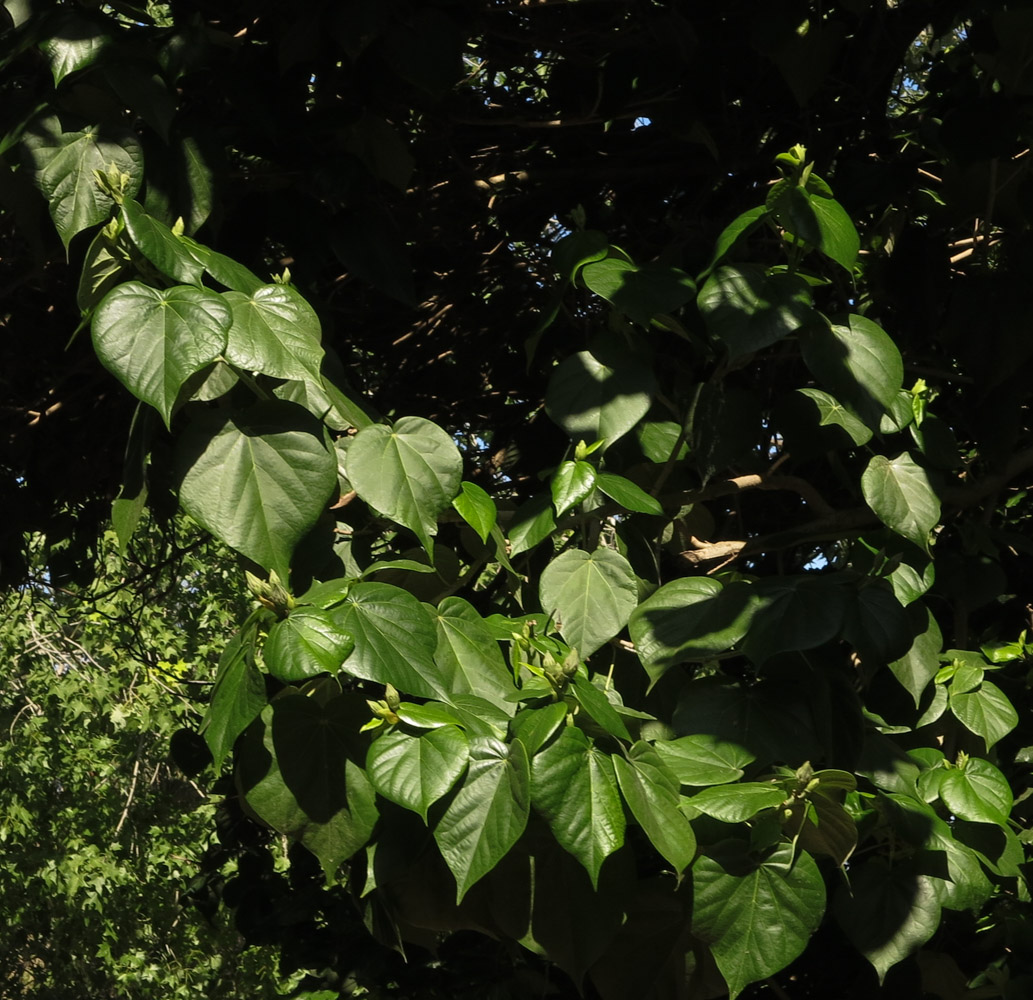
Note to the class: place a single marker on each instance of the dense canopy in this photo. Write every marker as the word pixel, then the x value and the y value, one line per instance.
pixel 624 401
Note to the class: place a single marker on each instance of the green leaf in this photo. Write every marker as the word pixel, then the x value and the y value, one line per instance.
pixel 488 814
pixel 276 332
pixel 659 438
pixel 161 246
pixel 627 494
pixel 748 310
pixel 258 479
pixel 476 508
pixel 237 699
pixel 690 619
pixel 900 494
pixel 417 770
pixel 639 292
pixel 306 643
pixel 104 266
pixel 594 701
pixel 532 523
pixel 888 913
pixel 594 401
pixel 756 917
pixel 223 269
pixel 858 362
pixel 591 593
pixel 467 654
pixel 827 828
pixel 574 788
pixel 738 802
pixel 571 484
pixel 572 252
pixel 877 625
pixel 77 43
pixel 977 792
pixel 409 472
pixel 987 712
pixel 703 759
pixel 395 639
pixel 654 804
pixel 153 340
pixel 839 239
pixel 534 726
pixel 64 163
pixel 736 230
pixel 833 412
pixel 918 666
pixel 296 774
pixel 908 584
pixel 796 613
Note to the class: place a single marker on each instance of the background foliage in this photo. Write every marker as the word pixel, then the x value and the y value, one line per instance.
pixel 621 410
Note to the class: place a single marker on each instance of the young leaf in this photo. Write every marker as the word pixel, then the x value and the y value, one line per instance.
pixel 488 814
pixel 571 484
pixel 599 707
pixel 900 494
pixel 153 340
pixel 409 472
pixel 591 593
pixel 476 508
pixel 627 494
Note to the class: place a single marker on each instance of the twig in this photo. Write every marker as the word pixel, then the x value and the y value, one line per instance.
pixel 132 788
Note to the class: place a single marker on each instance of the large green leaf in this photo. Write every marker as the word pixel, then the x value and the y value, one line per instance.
pixel 258 479
pixel 532 523
pixel 468 656
pixel 627 494
pixel 395 639
pixel 76 42
pixel 591 400
pixel 737 802
pixel 153 340
pixel 488 813
pixel 902 497
pixel 986 711
pixel 64 163
pixel 409 472
pixel 276 332
pixel 652 797
pixel 592 594
pixel 703 759
pixel 977 792
pixel 306 643
pixel 877 625
pixel 690 619
pixel 756 917
pixel 161 246
pixel 640 292
pixel 574 788
pixel 748 310
pixel 888 913
pixel 797 613
pixel 296 773
pixel 858 362
pixel 237 699
pixel 416 769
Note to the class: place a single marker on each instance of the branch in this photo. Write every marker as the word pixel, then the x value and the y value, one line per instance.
pixel 973 493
